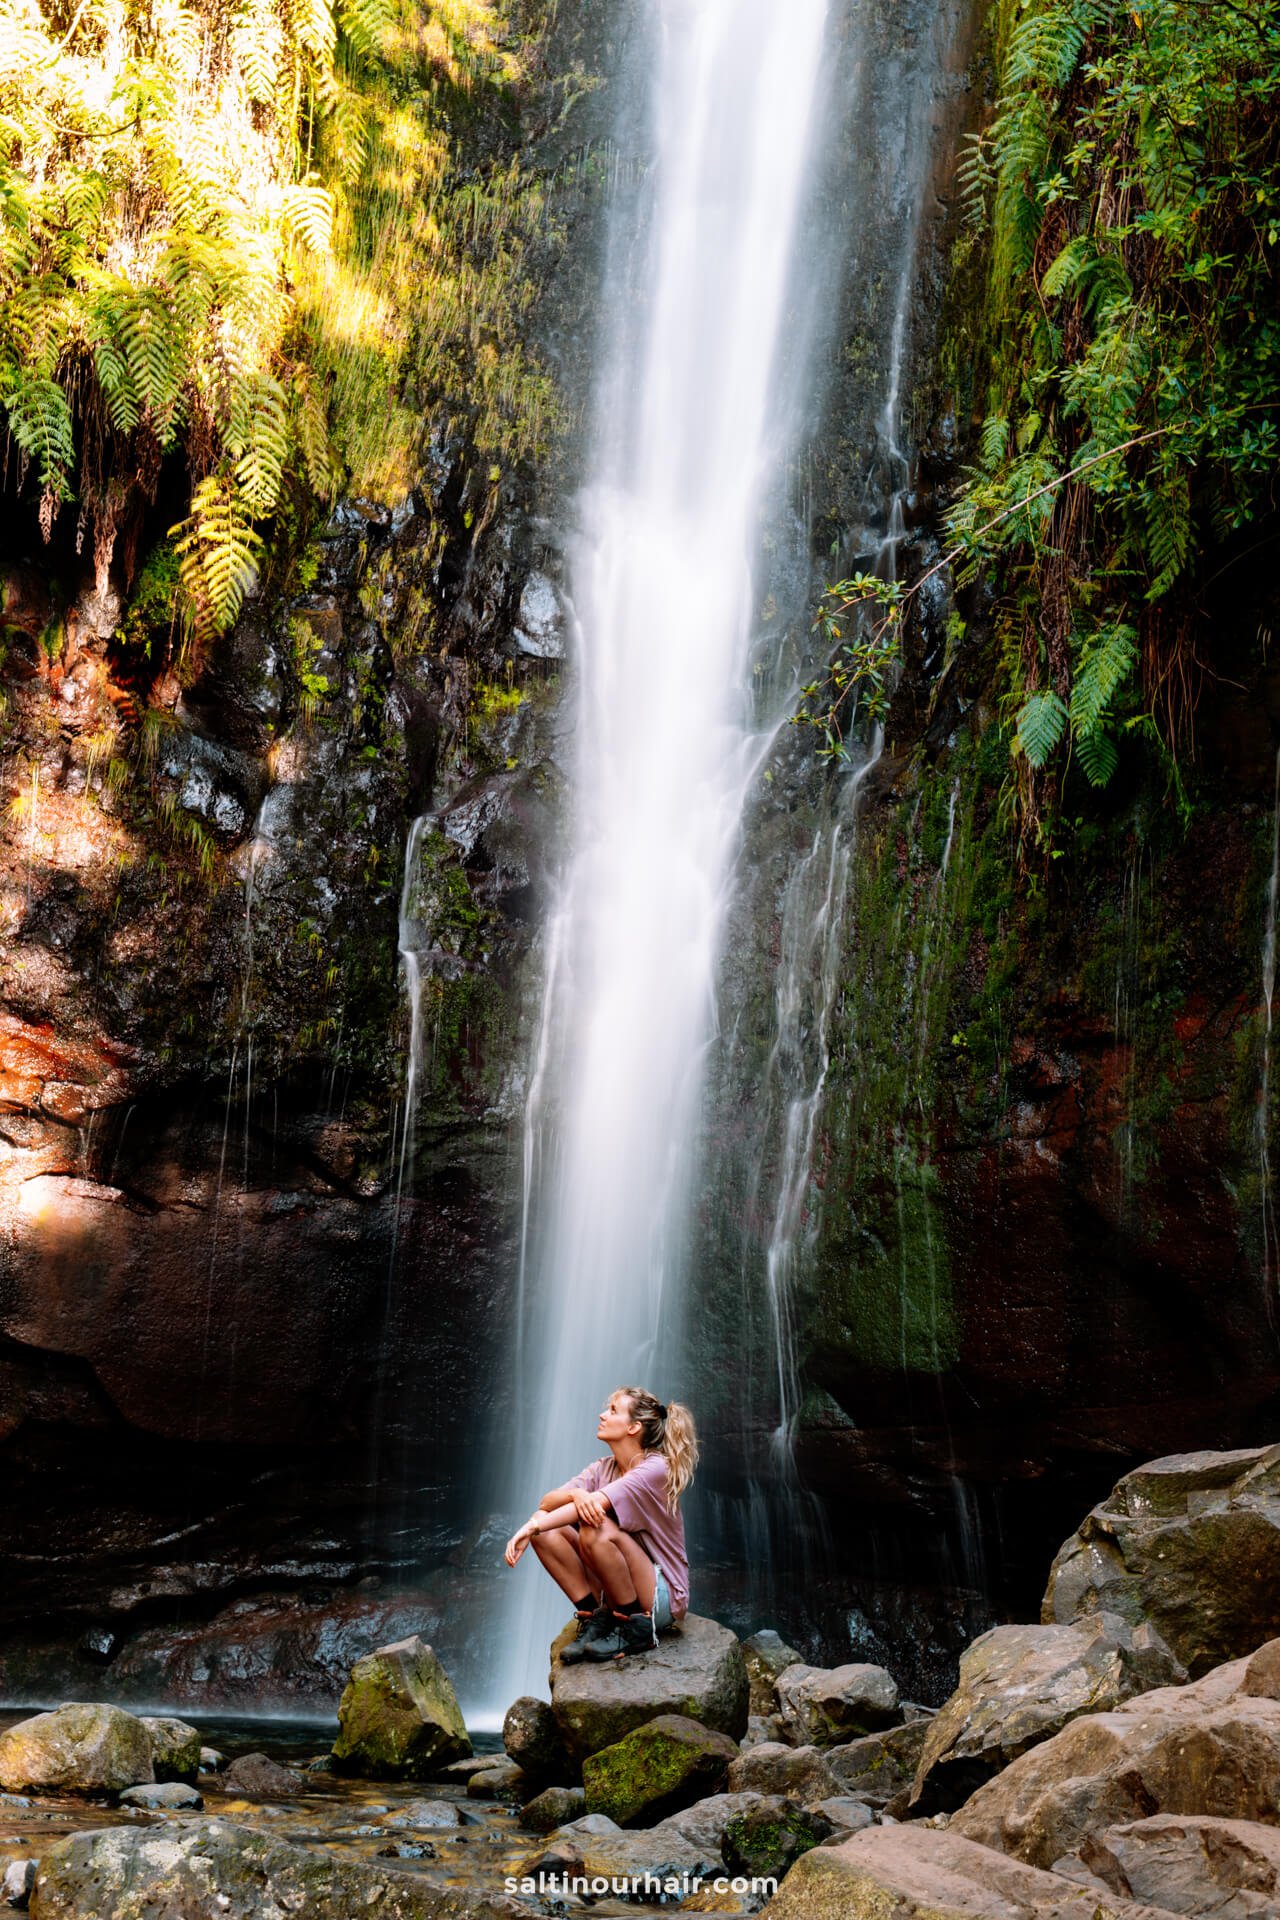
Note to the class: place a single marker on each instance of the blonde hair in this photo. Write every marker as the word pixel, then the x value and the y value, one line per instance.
pixel 667 1430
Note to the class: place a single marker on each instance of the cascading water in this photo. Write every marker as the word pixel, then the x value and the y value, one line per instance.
pixel 1270 1235
pixel 692 430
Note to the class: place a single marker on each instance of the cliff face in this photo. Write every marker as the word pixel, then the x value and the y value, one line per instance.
pixel 249 1331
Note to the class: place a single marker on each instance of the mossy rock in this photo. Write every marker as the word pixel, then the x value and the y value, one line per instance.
pixel 399 1718
pixel 766 1838
pixel 175 1748
pixel 697 1671
pixel 76 1749
pixel 663 1766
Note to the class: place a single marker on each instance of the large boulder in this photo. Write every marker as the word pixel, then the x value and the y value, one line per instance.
pixel 175 1748
pixel 665 1764
pixel 823 1706
pixel 1021 1685
pixel 1209 1748
pixel 1192 1864
pixel 697 1670
pixel 209 1867
pixel 918 1873
pixel 76 1749
pixel 800 1773
pixel 767 1656
pixel 1190 1543
pixel 881 1765
pixel 399 1717
pixel 703 1824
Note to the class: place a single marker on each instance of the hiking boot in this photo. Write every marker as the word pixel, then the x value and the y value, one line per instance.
pixel 592 1629
pixel 637 1633
pixel 633 1633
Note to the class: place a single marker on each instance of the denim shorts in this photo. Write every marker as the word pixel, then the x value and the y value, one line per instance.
pixel 661 1600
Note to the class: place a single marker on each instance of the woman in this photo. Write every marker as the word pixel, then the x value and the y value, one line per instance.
pixel 612 1537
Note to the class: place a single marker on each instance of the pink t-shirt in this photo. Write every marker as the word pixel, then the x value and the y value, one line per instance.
pixel 639 1498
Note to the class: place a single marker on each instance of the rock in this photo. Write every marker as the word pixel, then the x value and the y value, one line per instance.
pixel 697 1670
pixel 173 1795
pixel 175 1748
pixel 763 1726
pixel 76 1749
pixel 1189 1543
pixel 1209 1748
pixel 880 1765
pixel 799 1773
pixel 504 1780
pixel 703 1824
pixel 15 1888
pixel 920 1873
pixel 598 1847
pixel 822 1706
pixel 540 629
pixel 1020 1685
pixel 764 1839
pixel 532 1738
pixel 256 1777
pixel 462 1770
pixel 422 1816
pixel 767 1655
pixel 665 1764
pixel 1192 1864
pixel 844 1814
pixel 211 1761
pixel 212 1867
pixel 552 1808
pixel 399 1716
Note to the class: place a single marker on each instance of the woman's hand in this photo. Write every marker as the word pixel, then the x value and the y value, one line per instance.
pixel 517 1544
pixel 592 1508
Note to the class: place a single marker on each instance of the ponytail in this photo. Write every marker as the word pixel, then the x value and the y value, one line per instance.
pixel 667 1430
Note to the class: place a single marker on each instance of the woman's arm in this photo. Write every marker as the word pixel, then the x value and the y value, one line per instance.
pixel 540 1521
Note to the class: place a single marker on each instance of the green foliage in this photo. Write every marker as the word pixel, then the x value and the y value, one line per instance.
pixel 239 234
pixel 858 680
pixel 1130 180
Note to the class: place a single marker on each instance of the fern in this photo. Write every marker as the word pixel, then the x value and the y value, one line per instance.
pixel 1108 658
pixel 217 549
pixel 40 421
pixel 1041 723
pixel 1168 521
pixel 1096 751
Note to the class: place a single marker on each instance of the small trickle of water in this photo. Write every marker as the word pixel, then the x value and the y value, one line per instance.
pixel 1262 1125
pixel 407 936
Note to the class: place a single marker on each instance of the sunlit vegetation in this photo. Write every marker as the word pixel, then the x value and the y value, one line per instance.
pixel 237 235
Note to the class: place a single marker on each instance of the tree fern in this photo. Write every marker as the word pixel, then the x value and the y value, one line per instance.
pixel 1108 657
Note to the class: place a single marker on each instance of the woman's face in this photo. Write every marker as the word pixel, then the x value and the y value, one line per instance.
pixel 616 1419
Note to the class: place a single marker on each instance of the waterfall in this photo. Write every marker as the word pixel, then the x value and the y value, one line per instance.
pixel 693 429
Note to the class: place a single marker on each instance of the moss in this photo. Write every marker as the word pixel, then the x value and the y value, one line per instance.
pixel 669 1762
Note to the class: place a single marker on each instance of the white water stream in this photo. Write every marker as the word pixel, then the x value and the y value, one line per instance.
pixel 692 433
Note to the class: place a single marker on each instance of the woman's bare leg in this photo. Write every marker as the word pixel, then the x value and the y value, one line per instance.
pixel 619 1564
pixel 558 1552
